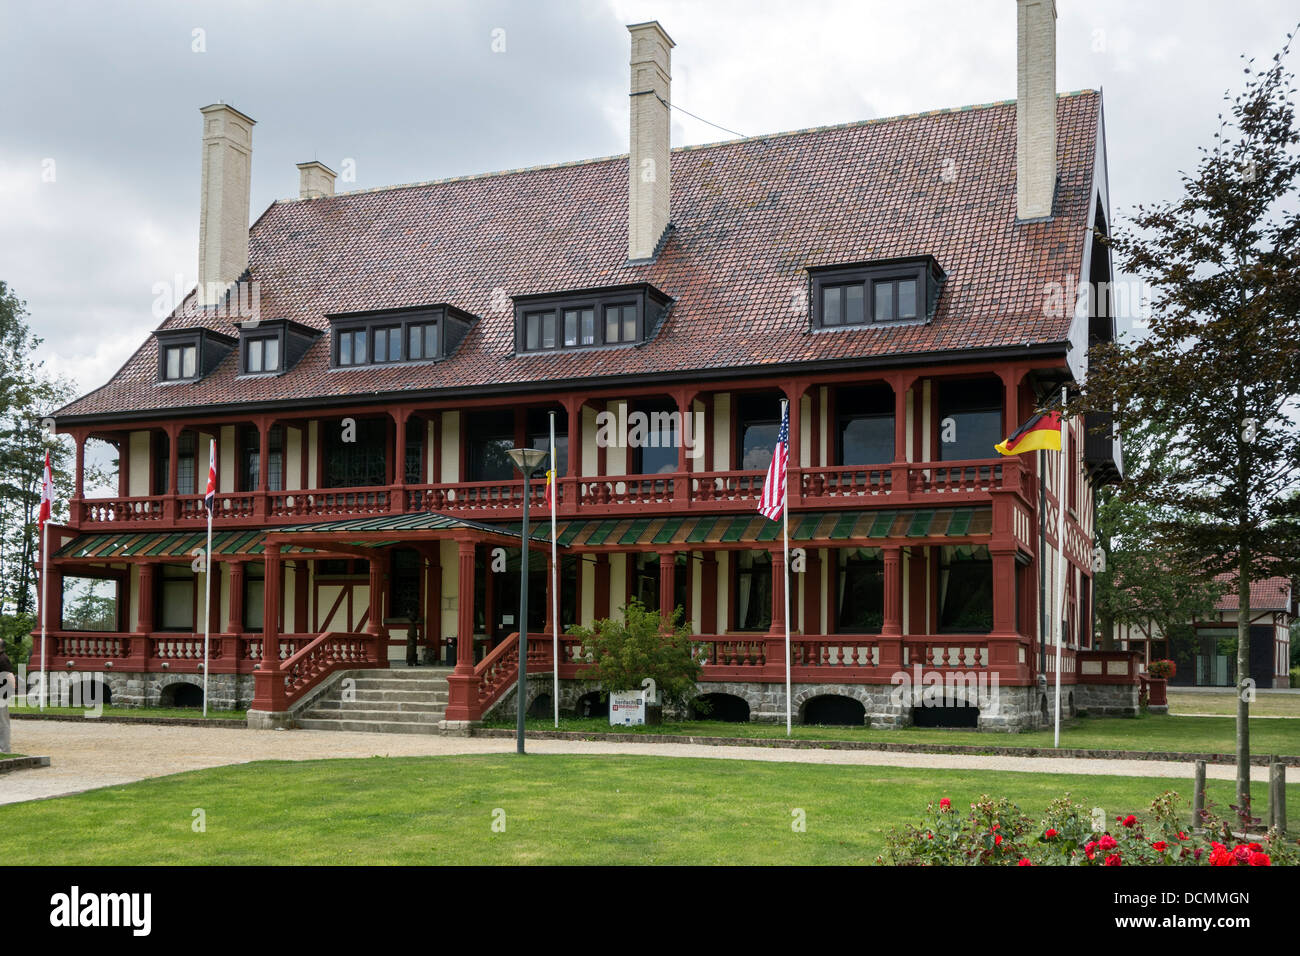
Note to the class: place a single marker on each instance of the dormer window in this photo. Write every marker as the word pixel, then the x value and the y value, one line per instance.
pixel 180 362
pixel 880 293
pixel 622 315
pixel 188 354
pixel 273 346
pixel 263 355
pixel 397 336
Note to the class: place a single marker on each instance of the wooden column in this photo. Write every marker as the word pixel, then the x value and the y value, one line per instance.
pixel 375 616
pixel 236 624
pixel 397 495
pixel 79 491
pixel 214 608
pixel 123 464
pixel 709 593
pixel 893 624
pixel 433 601
pixel 778 591
pixel 794 469
pixel 667 582
pixel 271 609
pixel 300 590
pixel 812 593
pixel 601 604
pixel 489 600
pixel 144 620
pixel 1004 593
pixel 465 608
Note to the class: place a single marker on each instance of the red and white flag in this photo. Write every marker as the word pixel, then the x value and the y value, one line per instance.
pixel 47 495
pixel 772 504
pixel 210 496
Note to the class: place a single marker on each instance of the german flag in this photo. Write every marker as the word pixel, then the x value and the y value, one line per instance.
pixel 1043 430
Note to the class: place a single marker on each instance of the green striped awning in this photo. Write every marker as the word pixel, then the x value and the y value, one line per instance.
pixel 755 529
pixel 158 544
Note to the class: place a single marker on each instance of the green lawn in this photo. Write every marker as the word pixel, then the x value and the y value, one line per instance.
pixel 1146 733
pixel 1212 702
pixel 558 809
pixel 110 710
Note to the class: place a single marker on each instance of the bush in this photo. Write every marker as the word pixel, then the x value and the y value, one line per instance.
pixel 1165 669
pixel 16 634
pixel 996 833
pixel 624 653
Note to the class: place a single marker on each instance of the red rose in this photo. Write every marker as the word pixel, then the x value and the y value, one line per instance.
pixel 1130 820
pixel 1113 860
pixel 1024 861
pixel 1220 855
pixel 1260 859
pixel 997 839
pixel 1182 835
pixel 1090 848
pixel 1107 842
pixel 1160 846
pixel 945 804
pixel 1050 833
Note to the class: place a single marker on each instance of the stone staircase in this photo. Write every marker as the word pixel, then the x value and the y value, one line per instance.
pixel 396 701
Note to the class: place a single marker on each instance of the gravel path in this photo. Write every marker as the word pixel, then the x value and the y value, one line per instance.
pixel 90 755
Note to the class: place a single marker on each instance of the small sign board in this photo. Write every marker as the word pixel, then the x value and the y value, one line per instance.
pixel 626 708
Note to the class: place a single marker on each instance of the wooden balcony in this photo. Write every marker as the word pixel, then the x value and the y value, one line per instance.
pixel 830 487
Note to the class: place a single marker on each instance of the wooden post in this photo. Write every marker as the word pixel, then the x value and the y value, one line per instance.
pixel 709 593
pixel 271 610
pixel 1277 795
pixel 1198 795
pixel 465 609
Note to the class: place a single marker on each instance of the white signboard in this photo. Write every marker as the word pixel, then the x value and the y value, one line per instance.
pixel 627 708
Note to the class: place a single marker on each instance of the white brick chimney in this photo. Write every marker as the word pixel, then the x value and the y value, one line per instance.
pixel 315 180
pixel 648 155
pixel 1035 108
pixel 223 209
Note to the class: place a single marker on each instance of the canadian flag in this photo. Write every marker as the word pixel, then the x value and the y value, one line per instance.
pixel 47 495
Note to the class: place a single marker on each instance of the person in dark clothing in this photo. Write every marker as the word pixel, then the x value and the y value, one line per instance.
pixel 7 689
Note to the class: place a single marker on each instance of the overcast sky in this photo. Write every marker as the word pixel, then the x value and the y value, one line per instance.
pixel 100 130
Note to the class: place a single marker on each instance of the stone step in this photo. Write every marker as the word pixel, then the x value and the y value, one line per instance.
pixel 389 706
pixel 385 683
pixel 368 726
pixel 414 696
pixel 392 716
pixel 404 673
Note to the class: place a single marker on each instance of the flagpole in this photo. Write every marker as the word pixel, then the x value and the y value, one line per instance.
pixel 1059 604
pixel 207 579
pixel 45 602
pixel 785 566
pixel 555 585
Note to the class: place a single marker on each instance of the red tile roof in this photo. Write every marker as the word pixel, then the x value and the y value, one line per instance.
pixel 1270 594
pixel 750 216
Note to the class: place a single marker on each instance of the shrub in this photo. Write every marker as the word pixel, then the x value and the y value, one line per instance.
pixel 996 833
pixel 624 653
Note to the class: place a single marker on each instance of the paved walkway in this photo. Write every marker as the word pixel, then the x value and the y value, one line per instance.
pixel 87 755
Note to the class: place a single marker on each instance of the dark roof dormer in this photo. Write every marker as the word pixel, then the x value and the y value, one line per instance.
pixel 883 292
pixel 417 334
pixel 189 354
pixel 273 346
pixel 606 317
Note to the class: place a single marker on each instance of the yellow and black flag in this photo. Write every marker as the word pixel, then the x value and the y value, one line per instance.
pixel 1043 430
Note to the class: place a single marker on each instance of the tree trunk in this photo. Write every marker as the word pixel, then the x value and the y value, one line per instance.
pixel 1243 683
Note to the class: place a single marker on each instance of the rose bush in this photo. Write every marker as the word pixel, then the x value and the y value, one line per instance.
pixel 997 833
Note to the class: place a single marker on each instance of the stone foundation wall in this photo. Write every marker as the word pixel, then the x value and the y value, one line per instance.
pixel 225 691
pixel 1108 700
pixel 1006 710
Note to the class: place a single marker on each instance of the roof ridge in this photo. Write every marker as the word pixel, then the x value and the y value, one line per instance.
pixel 568 164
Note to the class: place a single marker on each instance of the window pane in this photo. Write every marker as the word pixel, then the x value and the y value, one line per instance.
pixel 548 330
pixel 611 324
pixel 629 323
pixel 861 588
pixel 255 355
pixel 359 347
pixel 970 419
pixel 345 349
pixel 966 590
pixel 570 327
pixel 533 331
pixel 853 305
pixel 190 354
pixel 753 594
pixel 415 341
pixel 884 301
pixel 907 299
pixel 395 345
pixel 588 326
pixel 173 363
pixel 831 305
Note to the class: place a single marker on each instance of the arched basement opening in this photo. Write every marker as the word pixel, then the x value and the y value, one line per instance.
pixel 181 695
pixel 836 711
pixel 962 715
pixel 725 707
pixel 541 706
pixel 590 705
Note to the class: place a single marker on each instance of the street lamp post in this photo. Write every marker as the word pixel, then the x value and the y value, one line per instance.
pixel 527 460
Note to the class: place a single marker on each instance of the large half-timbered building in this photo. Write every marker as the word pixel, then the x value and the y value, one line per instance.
pixel 364 359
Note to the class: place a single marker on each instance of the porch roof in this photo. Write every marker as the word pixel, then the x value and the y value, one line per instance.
pixel 165 544
pixel 805 527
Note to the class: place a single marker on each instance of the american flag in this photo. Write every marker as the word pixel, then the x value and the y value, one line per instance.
pixel 210 496
pixel 772 504
pixel 47 495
